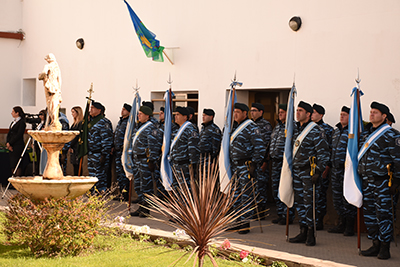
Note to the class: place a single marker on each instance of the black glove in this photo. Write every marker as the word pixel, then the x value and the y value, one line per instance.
pixel 315 178
pixel 252 169
pixel 152 166
pixel 394 188
pixel 102 160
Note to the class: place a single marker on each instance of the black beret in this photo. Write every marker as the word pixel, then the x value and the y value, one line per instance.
pixel 346 109
pixel 191 110
pixel 149 104
pixel 381 107
pixel 162 109
pixel 258 106
pixel 98 105
pixel 318 108
pixel 241 106
pixel 306 106
pixel 209 112
pixel 127 107
pixel 390 117
pixel 182 110
pixel 146 110
pixel 282 106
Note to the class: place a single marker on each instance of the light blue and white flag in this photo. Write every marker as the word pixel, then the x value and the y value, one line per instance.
pixel 286 193
pixel 352 186
pixel 126 158
pixel 225 172
pixel 166 170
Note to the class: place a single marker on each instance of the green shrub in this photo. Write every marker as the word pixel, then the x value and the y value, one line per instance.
pixel 54 227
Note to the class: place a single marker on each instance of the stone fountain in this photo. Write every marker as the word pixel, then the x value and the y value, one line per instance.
pixel 53 183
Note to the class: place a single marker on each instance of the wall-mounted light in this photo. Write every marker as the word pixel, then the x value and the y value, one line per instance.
pixel 80 43
pixel 295 23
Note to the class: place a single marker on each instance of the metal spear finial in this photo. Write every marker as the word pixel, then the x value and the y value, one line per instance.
pixel 90 91
pixel 358 80
pixel 235 83
pixel 169 81
pixel 135 89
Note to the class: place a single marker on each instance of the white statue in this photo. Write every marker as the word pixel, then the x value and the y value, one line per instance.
pixel 51 77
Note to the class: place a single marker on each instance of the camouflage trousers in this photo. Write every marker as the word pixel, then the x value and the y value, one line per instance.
pixel 245 187
pixel 378 209
pixel 281 208
pixel 123 182
pixel 143 181
pixel 303 195
pixel 342 207
pixel 322 188
pixel 262 184
pixel 97 170
pixel 182 174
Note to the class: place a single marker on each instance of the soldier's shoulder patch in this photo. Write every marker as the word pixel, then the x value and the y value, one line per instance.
pixel 257 131
pixel 322 134
pixel 269 127
pixel 154 132
pixel 397 141
pixel 194 134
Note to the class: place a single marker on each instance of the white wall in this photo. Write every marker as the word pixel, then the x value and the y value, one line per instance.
pixel 10 60
pixel 215 39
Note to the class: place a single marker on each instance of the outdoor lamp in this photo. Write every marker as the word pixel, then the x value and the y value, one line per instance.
pixel 295 23
pixel 80 43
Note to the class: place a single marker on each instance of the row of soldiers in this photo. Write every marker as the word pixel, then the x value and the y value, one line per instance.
pixel 253 143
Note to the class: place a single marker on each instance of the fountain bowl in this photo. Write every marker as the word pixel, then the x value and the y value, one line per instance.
pixel 38 188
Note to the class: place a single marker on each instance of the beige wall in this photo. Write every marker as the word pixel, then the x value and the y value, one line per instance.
pixel 215 39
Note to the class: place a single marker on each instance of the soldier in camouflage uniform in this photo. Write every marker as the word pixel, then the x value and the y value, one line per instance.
pixel 246 151
pixel 347 212
pixel 277 148
pixel 161 117
pixel 257 112
pixel 146 150
pixel 184 152
pixel 317 117
pixel 119 135
pixel 210 139
pixel 191 118
pixel 100 137
pixel 374 157
pixel 310 148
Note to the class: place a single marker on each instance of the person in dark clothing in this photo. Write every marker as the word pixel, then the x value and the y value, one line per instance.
pixel 77 114
pixel 15 138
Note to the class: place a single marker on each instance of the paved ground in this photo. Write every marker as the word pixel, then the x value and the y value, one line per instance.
pixel 331 249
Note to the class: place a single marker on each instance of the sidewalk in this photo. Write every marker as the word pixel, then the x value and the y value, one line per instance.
pixel 331 249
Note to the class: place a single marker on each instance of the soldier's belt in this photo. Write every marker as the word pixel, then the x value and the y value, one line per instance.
pixel 241 161
pixel 140 156
pixel 181 162
pixel 96 151
pixel 377 178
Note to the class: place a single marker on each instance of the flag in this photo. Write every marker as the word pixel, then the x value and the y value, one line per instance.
pixel 225 172
pixel 352 186
pixel 147 39
pixel 126 157
pixel 286 193
pixel 83 135
pixel 166 171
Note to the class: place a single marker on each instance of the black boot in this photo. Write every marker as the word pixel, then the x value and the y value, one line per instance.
pixel 310 237
pixel 277 220
pixel 349 231
pixel 384 252
pixel 144 213
pixel 137 212
pixel 300 238
pixel 339 229
pixel 244 229
pixel 374 250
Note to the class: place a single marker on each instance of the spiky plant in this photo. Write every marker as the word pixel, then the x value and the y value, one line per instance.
pixel 203 212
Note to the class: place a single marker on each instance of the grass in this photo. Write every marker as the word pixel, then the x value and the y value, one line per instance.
pixel 106 251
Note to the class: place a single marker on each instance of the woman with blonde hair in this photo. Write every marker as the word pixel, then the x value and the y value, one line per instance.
pixel 77 114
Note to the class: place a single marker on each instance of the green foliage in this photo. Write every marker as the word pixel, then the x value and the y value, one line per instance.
pixel 213 250
pixel 278 264
pixel 175 246
pixel 143 237
pixel 54 227
pixel 160 241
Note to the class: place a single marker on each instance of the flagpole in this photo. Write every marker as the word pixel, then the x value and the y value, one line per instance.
pixel 170 61
pixel 358 80
pixel 90 91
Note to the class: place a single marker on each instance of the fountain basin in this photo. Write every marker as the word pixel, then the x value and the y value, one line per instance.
pixel 38 188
